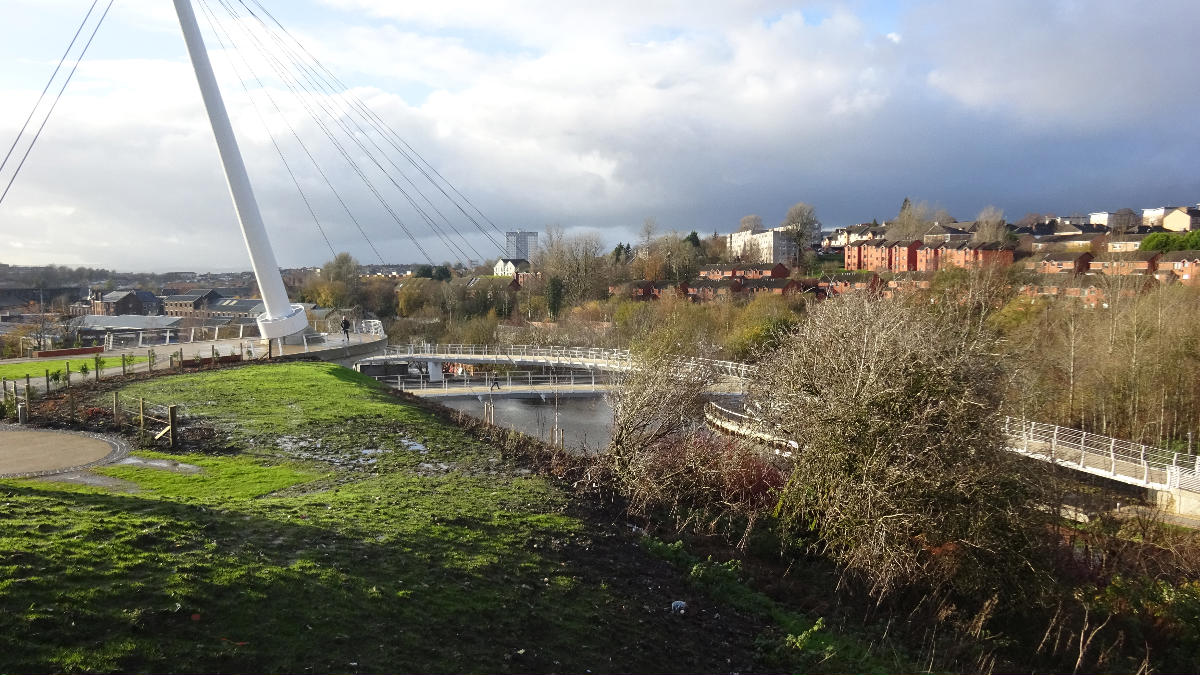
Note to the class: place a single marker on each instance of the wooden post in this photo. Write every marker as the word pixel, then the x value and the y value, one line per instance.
pixel 171 422
pixel 150 360
pixel 27 384
pixel 116 410
pixel 180 360
pixel 68 380
pixel 214 356
pixel 123 365
pixel 4 387
pixel 141 415
pixel 28 398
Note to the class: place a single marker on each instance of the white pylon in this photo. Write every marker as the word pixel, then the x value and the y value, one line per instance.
pixel 281 318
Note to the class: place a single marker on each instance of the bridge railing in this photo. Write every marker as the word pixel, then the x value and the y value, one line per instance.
pixel 621 358
pixel 1143 464
pixel 1115 458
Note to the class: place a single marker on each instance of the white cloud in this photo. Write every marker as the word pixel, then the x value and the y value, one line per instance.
pixel 600 114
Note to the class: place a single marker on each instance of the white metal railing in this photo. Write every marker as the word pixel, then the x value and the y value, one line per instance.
pixel 499 383
pixel 617 359
pixel 1114 458
pixel 153 337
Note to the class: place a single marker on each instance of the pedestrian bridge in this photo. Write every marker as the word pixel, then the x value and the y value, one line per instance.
pixel 589 358
pixel 1165 472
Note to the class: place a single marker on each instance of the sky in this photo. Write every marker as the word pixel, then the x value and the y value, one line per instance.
pixel 597 116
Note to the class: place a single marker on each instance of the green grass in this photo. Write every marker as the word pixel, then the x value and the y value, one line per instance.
pixel 300 554
pixel 37 369
pixel 277 399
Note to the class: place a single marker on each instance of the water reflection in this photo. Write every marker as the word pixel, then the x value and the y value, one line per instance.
pixel 586 422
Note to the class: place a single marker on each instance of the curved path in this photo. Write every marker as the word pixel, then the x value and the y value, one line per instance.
pixel 28 452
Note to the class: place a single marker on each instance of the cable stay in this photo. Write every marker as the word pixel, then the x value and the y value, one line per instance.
pixel 318 119
pixel 342 119
pixel 342 90
pixel 308 100
pixel 57 97
pixel 218 31
pixel 330 84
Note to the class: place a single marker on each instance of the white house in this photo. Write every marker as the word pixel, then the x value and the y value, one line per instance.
pixel 508 267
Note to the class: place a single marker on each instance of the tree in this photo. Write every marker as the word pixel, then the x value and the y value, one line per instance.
pixel 989 225
pixel 442 273
pixel 802 227
pixel 554 296
pixel 750 223
pixel 343 268
pixel 902 475
pixel 693 239
pixel 657 401
pixel 912 222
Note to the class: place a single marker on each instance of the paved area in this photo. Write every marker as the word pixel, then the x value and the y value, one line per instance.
pixel 43 451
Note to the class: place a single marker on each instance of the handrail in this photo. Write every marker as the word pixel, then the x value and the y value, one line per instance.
pixel 1076 449
pixel 621 358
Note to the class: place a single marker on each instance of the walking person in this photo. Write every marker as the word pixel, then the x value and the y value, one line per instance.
pixel 346 328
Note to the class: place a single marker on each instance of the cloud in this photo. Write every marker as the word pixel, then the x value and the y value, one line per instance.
pixel 599 115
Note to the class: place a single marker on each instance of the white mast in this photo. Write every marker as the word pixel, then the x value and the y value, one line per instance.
pixel 281 318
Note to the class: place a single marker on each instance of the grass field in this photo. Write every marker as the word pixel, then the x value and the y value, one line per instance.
pixel 37 369
pixel 349 532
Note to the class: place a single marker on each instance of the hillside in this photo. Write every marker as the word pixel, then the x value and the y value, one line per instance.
pixel 327 526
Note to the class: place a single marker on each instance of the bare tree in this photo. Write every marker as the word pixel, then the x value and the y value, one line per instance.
pixel 750 223
pixel 990 225
pixel 657 400
pixel 902 472
pixel 912 222
pixel 803 227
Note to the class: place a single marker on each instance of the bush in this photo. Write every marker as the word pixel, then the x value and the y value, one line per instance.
pixel 902 474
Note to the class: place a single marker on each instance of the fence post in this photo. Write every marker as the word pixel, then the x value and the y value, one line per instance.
pixel 1145 467
pixel 47 380
pixel 141 415
pixel 4 388
pixel 26 384
pixel 123 365
pixel 68 380
pixel 1112 456
pixel 150 360
pixel 116 410
pixel 171 424
pixel 28 398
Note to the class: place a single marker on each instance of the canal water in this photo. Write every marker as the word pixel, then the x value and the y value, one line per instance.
pixel 586 422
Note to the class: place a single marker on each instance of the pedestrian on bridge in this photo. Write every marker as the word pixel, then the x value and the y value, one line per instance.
pixel 346 328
